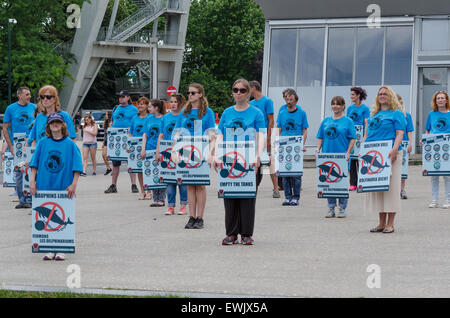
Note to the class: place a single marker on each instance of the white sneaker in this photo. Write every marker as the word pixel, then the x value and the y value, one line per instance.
pixel 446 205
pixel 433 204
pixel 49 257
pixel 60 257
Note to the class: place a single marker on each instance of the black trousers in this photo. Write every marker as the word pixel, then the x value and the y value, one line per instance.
pixel 354 172
pixel 240 213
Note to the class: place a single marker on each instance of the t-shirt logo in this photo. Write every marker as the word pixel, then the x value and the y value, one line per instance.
pixel 154 131
pixel 354 116
pixel 190 123
pixel 170 127
pixel 237 126
pixel 23 119
pixel 441 124
pixel 139 128
pixel 290 126
pixel 120 116
pixel 331 132
pixel 375 123
pixel 54 163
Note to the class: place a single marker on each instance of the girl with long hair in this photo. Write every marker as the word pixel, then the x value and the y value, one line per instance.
pixel 90 131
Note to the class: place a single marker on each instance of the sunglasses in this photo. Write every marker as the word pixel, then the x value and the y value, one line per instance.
pixel 46 97
pixel 192 93
pixel 241 90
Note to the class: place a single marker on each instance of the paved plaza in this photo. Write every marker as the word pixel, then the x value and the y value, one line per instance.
pixel 122 243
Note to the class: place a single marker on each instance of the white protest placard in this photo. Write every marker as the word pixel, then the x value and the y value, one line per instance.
pixel 332 175
pixel 27 171
pixel 168 170
pixel 236 177
pixel 117 144
pixel 405 159
pixel 53 222
pixel 9 178
pixel 19 141
pixel 264 159
pixel 192 165
pixel 134 145
pixel 289 156
pixel 374 166
pixel 435 154
pixel 151 172
pixel 359 135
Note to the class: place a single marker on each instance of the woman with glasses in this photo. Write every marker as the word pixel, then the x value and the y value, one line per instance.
pixel 387 122
pixel 438 122
pixel 241 122
pixel 49 104
pixel 196 119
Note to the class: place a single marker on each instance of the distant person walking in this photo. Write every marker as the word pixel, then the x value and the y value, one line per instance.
pixel 90 131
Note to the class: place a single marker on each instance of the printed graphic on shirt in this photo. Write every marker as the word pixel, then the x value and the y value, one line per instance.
pixel 375 123
pixel 332 132
pixel 54 162
pixel 441 124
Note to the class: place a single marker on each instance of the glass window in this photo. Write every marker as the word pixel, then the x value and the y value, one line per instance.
pixel 282 57
pixel 369 56
pixel 435 35
pixel 340 57
pixel 398 56
pixel 310 57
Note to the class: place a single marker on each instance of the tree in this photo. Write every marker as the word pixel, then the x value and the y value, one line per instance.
pixel 223 42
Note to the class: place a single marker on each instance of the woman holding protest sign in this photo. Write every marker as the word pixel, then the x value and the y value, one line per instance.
pixel 168 124
pixel 387 122
pixel 241 122
pixel 196 119
pixel 56 164
pixel 336 134
pixel 438 122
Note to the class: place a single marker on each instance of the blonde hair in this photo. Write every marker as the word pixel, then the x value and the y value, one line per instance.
pixel 91 118
pixel 54 92
pixel 401 105
pixel 203 101
pixel 434 105
pixel 393 102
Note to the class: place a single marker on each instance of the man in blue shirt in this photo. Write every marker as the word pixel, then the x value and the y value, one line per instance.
pixel 18 118
pixel 265 105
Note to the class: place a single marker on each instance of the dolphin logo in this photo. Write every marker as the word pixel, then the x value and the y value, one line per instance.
pixel 376 163
pixel 289 126
pixel 154 131
pixel 44 212
pixel 139 128
pixel 331 132
pixel 354 116
pixel 334 173
pixel 228 163
pixel 54 163
pixel 375 123
pixel 441 124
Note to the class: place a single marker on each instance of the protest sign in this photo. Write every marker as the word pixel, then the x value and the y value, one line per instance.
pixel 359 135
pixel 19 142
pixel 289 156
pixel 9 178
pixel 27 171
pixel 435 154
pixel 192 165
pixel 134 146
pixel 405 159
pixel 374 166
pixel 151 172
pixel 332 175
pixel 117 144
pixel 168 170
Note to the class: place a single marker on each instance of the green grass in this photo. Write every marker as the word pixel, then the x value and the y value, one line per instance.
pixel 26 294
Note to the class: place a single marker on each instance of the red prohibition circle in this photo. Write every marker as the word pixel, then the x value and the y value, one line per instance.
pixel 54 205
pixel 173 166
pixel 235 155
pixel 192 150
pixel 376 153
pixel 332 164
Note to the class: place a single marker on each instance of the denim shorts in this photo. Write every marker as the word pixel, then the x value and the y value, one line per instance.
pixel 90 145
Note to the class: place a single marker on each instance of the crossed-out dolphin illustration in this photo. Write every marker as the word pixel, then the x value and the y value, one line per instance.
pixel 370 160
pixel 45 212
pixel 189 155
pixel 334 173
pixel 228 162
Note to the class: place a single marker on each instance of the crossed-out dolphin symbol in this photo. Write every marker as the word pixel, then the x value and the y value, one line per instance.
pixel 330 170
pixel 372 161
pixel 50 215
pixel 230 163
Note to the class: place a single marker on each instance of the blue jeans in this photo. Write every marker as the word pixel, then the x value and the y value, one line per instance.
pixel 172 194
pixel 342 203
pixel 292 187
pixel 19 187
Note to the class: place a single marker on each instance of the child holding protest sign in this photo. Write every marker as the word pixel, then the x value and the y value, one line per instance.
pixel 56 164
pixel 336 134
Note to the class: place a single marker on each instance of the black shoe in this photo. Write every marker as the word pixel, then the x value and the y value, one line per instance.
pixel 108 171
pixel 134 188
pixel 112 189
pixel 190 223
pixel 23 206
pixel 82 174
pixel 198 224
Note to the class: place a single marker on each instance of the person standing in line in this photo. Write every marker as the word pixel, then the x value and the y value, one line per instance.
pixel 168 124
pixel 387 122
pixel 63 172
pixel 240 212
pixel 438 122
pixel 121 118
pixel 156 109
pixel 292 122
pixel 197 119
pixel 18 118
pixel 106 124
pixel 336 134
pixel 407 136
pixel 286 92
pixel 90 131
pixel 359 113
pixel 265 105
pixel 137 129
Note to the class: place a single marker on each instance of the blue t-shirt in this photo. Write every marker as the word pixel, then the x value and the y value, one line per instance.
pixel 38 130
pixel 138 125
pixel 409 126
pixel 438 123
pixel 152 130
pixel 336 134
pixel 358 113
pixel 282 109
pixel 190 124
pixel 292 124
pixel 56 160
pixel 19 118
pixel 265 105
pixel 168 124
pixel 241 125
pixel 384 124
pixel 123 115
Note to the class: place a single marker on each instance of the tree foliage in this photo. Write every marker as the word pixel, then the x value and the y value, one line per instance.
pixel 224 41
